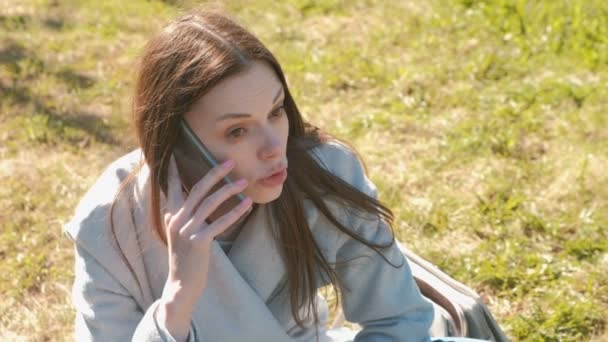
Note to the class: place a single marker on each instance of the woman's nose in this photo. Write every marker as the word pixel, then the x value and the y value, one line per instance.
pixel 271 146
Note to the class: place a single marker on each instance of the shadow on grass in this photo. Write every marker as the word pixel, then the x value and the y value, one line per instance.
pixel 53 23
pixel 12 55
pixel 19 22
pixel 23 22
pixel 75 79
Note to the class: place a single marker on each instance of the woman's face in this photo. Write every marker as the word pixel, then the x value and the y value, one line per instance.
pixel 256 138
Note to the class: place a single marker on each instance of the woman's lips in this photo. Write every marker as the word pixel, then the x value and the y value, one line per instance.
pixel 275 179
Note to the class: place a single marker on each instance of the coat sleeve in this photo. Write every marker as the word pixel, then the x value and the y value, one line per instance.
pixel 385 301
pixel 105 311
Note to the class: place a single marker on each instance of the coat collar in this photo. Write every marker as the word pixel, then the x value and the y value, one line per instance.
pixel 254 254
pixel 233 305
pixel 240 283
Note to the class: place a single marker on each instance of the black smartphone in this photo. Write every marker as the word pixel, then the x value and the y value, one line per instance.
pixel 193 161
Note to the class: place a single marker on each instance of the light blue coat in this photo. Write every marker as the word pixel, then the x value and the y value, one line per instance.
pixel 240 301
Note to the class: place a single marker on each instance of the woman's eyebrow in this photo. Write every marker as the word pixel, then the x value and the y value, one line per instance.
pixel 240 115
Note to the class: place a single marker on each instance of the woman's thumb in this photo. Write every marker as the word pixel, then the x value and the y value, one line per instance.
pixel 166 219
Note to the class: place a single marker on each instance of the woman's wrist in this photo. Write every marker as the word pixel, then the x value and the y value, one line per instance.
pixel 178 300
pixel 178 303
pixel 175 317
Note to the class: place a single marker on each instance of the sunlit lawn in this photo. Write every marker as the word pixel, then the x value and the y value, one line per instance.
pixel 483 123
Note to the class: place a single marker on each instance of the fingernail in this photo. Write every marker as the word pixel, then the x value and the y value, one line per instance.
pixel 228 164
pixel 241 182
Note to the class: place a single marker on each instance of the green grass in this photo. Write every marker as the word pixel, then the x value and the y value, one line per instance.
pixel 483 123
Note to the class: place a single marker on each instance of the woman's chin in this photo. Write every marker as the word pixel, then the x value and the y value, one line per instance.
pixel 266 195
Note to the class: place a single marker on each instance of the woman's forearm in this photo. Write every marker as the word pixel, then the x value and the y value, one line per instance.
pixel 176 318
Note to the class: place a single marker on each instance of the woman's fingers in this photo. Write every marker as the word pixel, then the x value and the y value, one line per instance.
pixel 175 198
pixel 186 216
pixel 221 224
pixel 210 204
pixel 202 187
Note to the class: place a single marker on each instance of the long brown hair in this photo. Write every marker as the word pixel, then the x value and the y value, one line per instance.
pixel 178 66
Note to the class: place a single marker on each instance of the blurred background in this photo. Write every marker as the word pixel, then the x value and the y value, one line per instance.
pixel 483 124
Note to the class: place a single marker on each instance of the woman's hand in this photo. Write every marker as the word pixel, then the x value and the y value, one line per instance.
pixel 189 236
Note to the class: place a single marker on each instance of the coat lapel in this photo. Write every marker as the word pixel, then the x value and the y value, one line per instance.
pixel 233 304
pixel 254 254
pixel 256 257
pixel 230 309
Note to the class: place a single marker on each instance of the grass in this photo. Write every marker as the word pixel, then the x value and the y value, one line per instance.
pixel 482 122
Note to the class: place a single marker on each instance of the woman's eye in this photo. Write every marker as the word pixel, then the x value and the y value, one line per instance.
pixel 279 111
pixel 233 134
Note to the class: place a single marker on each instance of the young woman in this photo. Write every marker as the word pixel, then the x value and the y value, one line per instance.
pixel 151 263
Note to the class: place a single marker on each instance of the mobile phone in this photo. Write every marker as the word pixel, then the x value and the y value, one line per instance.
pixel 194 161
